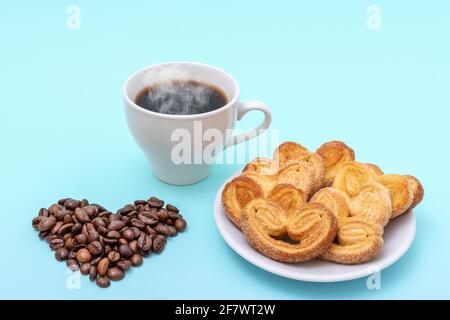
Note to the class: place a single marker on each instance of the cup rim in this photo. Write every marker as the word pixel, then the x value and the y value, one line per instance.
pixel 131 103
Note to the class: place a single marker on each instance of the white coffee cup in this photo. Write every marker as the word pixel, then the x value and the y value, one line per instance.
pixel 154 131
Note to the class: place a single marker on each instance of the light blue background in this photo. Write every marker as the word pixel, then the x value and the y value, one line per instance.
pixel 324 74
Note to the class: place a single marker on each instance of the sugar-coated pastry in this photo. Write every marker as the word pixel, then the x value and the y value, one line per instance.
pixel 351 177
pixel 262 166
pixel 237 193
pixel 372 202
pixel 334 154
pixel 267 182
pixel 317 164
pixel 300 174
pixel 374 169
pixel 290 198
pixel 288 151
pixel 358 241
pixel 401 192
pixel 335 200
pixel 263 222
pixel 417 190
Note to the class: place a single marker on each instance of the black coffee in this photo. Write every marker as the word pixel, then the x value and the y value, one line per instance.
pixel 181 97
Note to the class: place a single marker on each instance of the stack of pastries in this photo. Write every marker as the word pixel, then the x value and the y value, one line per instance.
pixel 303 205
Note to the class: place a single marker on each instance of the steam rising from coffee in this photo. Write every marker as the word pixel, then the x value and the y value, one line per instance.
pixel 171 90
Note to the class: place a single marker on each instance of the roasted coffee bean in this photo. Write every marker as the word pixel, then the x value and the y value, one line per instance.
pixel 81 238
pixel 173 231
pixel 173 215
pixel 158 243
pixel 72 204
pixel 162 229
pixel 84 203
pixel 35 222
pixel 68 219
pixel 144 242
pixel 70 243
pixel 91 211
pixel 102 231
pixel 72 264
pixel 56 244
pixel 113 217
pixel 114 256
pixel 81 215
pixel 43 234
pixel 140 202
pixel 61 254
pixel 96 260
pixel 115 225
pixel 162 214
pixel 102 282
pixel 51 237
pixel 128 234
pixel 122 241
pixel 180 224
pixel 115 274
pixel 133 245
pixel 56 227
pixel 125 251
pixel 149 230
pixel 98 222
pixel 83 255
pixel 155 202
pixel 46 224
pixel 137 223
pixel 95 248
pixel 125 210
pixel 85 267
pixel 124 264
pixel 100 208
pixel 76 228
pixel 66 228
pixel 67 236
pixel 109 241
pixel 172 208
pixel 113 235
pixel 136 260
pixel 92 273
pixel 54 208
pixel 102 266
pixel 43 212
pixel 60 214
pixel 62 201
pixel 148 218
pixel 105 215
pixel 169 222
pixel 92 235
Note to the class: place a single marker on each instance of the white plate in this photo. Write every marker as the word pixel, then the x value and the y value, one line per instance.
pixel 398 237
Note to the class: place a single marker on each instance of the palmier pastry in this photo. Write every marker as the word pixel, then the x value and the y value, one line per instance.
pixel 401 192
pixel 264 222
pixel 358 240
pixel 261 166
pixel 374 169
pixel 417 190
pixel 372 202
pixel 288 151
pixel 290 198
pixel 265 181
pixel 298 173
pixel 335 200
pixel 351 177
pixel 237 193
pixel 334 154
pixel 317 164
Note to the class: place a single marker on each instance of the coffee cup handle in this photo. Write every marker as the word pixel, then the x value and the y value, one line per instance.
pixel 243 108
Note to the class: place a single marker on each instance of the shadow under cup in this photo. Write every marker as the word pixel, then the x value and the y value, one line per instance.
pixel 175 144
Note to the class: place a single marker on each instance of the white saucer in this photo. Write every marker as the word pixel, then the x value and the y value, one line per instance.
pixel 398 237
